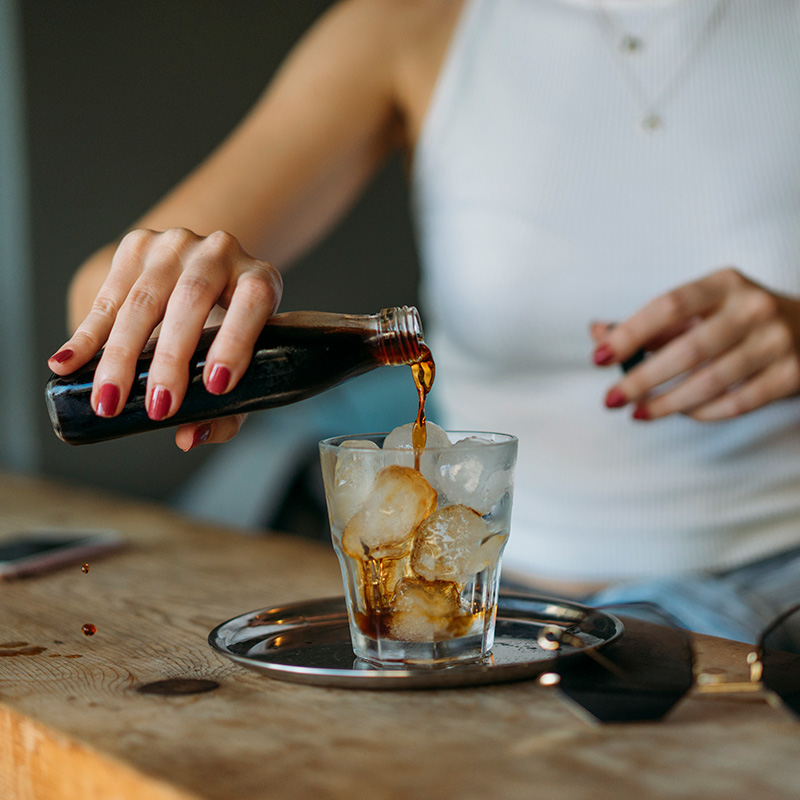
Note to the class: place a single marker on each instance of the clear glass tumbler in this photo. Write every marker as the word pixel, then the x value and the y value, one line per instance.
pixel 419 538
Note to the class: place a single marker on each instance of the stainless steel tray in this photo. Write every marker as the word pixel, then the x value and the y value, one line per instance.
pixel 309 642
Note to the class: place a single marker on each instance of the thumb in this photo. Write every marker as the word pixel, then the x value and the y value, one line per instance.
pixel 193 434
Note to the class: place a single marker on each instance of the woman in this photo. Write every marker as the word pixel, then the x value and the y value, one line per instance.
pixel 627 169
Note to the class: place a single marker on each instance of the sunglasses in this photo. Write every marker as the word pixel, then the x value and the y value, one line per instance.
pixel 644 674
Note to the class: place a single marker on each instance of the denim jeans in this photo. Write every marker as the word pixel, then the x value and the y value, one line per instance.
pixel 735 604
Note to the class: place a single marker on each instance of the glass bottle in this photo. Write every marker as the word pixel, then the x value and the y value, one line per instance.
pixel 298 354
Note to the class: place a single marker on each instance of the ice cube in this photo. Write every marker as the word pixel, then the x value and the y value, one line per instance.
pixel 359 444
pixel 473 473
pixel 425 611
pixel 446 544
pixel 353 478
pixel 400 439
pixel 400 499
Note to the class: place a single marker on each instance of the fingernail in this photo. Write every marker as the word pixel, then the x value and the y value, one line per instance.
pixel 218 379
pixel 603 355
pixel 641 413
pixel 160 403
pixel 201 435
pixel 107 400
pixel 615 399
pixel 61 356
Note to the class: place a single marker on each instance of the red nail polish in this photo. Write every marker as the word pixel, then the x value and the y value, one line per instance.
pixel 615 399
pixel 603 355
pixel 201 435
pixel 641 413
pixel 107 400
pixel 160 403
pixel 218 379
pixel 61 356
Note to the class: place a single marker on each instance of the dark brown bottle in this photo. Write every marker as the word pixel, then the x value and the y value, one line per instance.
pixel 298 354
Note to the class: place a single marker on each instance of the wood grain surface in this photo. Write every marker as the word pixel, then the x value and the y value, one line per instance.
pixel 74 724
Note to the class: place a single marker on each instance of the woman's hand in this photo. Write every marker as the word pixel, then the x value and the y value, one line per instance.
pixel 174 279
pixel 718 347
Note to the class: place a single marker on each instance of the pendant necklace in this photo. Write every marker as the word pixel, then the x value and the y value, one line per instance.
pixel 627 44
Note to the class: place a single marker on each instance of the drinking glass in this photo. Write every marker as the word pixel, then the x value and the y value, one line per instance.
pixel 420 536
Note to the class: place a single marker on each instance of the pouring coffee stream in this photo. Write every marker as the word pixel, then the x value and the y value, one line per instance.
pixel 424 371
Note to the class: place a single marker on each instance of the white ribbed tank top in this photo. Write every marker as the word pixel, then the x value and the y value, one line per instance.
pixel 541 205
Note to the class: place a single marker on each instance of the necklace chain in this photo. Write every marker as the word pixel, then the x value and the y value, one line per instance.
pixel 625 44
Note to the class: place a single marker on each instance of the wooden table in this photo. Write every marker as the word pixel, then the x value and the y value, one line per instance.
pixel 73 725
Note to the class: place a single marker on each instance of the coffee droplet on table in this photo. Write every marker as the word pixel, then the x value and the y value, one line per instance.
pixel 89 629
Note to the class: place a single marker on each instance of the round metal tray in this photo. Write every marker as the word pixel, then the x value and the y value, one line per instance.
pixel 309 642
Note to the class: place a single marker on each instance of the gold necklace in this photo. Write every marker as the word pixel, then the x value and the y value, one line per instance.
pixel 626 44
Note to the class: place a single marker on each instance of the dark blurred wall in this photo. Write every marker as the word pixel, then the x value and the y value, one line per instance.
pixel 122 100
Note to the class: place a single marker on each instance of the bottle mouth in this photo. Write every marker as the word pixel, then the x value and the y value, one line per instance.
pixel 401 335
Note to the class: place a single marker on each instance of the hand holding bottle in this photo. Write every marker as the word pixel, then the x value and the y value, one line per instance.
pixel 724 344
pixel 174 279
pixel 296 355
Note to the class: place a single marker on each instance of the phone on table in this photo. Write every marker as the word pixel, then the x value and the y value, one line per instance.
pixel 38 551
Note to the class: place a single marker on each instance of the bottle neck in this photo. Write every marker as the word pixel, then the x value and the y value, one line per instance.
pixel 400 335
